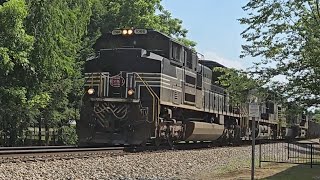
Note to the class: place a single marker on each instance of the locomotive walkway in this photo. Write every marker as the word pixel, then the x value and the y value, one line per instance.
pixel 313 141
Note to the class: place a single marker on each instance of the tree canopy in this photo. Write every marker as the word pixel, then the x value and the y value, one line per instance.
pixel 238 84
pixel 316 115
pixel 15 48
pixel 285 36
pixel 108 15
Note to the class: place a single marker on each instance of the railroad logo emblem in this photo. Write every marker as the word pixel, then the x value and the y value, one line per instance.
pixel 117 81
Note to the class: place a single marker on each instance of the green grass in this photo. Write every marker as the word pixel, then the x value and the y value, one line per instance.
pixel 300 172
pixel 241 169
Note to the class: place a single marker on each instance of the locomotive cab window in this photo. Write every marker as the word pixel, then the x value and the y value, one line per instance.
pixel 190 97
pixel 190 80
pixel 185 57
pixel 194 61
pixel 189 63
pixel 176 52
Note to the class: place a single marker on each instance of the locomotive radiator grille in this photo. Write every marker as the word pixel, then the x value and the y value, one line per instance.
pixel 117 110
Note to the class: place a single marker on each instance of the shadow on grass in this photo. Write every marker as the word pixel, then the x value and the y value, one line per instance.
pixel 300 172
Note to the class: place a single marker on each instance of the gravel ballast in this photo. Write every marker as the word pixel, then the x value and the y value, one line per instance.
pixel 155 165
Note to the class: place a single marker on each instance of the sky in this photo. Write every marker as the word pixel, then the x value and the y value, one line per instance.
pixel 214 26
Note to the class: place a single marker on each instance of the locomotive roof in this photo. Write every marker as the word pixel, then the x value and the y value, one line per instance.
pixel 211 64
pixel 172 39
pixel 148 31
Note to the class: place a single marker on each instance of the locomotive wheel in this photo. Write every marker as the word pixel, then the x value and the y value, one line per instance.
pixel 157 142
pixel 143 144
pixel 170 143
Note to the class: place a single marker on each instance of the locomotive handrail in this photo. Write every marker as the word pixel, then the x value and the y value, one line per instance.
pixel 149 89
pixel 153 94
pixel 100 86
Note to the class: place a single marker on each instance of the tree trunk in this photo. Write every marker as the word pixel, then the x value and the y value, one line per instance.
pixel 13 133
pixel 39 133
pixel 47 132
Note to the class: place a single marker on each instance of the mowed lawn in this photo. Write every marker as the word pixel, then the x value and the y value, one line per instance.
pixel 271 171
pixel 299 172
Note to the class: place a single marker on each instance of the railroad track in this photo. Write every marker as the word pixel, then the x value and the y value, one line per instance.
pixel 57 149
pixel 34 150
pixel 47 153
pixel 4 149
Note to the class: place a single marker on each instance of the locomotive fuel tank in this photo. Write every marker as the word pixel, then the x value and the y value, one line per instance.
pixel 201 131
pixel 288 132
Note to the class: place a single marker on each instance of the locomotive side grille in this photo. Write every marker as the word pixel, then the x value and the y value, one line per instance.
pixel 175 96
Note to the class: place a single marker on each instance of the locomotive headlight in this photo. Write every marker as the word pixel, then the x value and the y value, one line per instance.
pixel 124 32
pixel 130 31
pixel 130 92
pixel 91 91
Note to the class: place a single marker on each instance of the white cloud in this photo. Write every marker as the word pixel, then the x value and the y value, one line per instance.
pixel 280 78
pixel 224 61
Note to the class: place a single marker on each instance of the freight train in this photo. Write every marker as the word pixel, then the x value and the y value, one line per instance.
pixel 142 86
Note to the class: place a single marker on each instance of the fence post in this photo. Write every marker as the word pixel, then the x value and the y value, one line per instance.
pixel 259 154
pixel 288 150
pixel 311 152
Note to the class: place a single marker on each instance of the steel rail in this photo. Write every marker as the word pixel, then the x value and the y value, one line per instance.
pixel 57 150
pixel 34 147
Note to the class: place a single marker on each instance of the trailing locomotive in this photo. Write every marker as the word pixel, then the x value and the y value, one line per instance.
pixel 143 86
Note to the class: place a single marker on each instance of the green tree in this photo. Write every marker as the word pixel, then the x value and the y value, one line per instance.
pixel 43 45
pixel 238 84
pixel 164 22
pixel 15 67
pixel 135 13
pixel 285 36
pixel 316 115
pixel 58 27
pixel 108 15
pixel 2 1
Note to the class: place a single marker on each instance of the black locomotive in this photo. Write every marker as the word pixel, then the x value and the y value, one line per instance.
pixel 143 86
